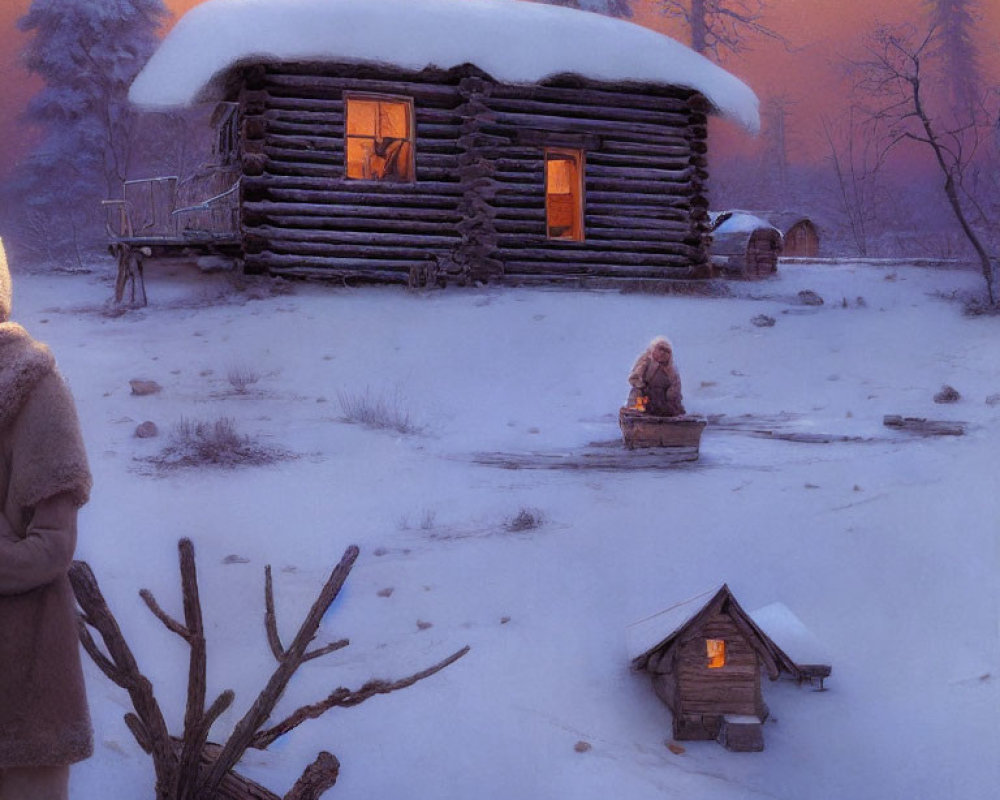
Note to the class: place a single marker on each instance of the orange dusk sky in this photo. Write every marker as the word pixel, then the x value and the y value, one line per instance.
pixel 805 71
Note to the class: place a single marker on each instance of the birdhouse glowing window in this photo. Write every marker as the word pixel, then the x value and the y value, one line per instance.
pixel 716 651
pixel 379 139
pixel 564 194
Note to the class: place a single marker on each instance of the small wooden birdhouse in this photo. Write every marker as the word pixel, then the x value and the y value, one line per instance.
pixel 705 657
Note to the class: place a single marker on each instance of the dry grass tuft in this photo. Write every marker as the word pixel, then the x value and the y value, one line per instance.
pixel 214 443
pixel 379 411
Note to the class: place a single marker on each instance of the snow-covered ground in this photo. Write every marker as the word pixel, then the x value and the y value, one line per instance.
pixel 885 549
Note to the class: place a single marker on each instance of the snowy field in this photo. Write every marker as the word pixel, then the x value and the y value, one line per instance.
pixel 886 549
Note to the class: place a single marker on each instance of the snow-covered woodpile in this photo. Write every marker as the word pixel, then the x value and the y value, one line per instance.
pixel 502 150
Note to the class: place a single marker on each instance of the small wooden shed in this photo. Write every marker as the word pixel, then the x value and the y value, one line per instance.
pixel 800 233
pixel 745 245
pixel 705 657
pixel 454 140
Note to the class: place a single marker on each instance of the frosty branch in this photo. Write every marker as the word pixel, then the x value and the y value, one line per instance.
pixel 893 76
pixel 189 767
pixel 719 26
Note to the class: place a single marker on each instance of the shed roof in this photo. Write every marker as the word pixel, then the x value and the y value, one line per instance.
pixel 512 40
pixel 658 631
pixel 736 221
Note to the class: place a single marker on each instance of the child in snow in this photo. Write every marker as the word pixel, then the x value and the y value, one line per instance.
pixel 44 479
pixel 655 378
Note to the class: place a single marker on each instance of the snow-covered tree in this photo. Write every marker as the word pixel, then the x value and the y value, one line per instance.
pixel 87 52
pixel 719 26
pixel 955 22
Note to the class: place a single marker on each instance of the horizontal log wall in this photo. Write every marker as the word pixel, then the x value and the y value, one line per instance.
pixel 300 214
pixel 477 208
pixel 645 211
pixel 731 689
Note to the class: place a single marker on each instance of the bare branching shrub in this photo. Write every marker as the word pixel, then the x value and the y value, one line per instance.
pixel 527 519
pixel 241 377
pixel 380 411
pixel 214 443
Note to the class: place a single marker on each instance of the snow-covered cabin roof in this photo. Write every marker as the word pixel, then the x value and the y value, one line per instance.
pixel 512 40
pixel 657 631
pixel 790 634
pixel 650 633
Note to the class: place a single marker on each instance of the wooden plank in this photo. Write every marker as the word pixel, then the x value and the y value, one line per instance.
pixel 382 200
pixel 284 261
pixel 668 268
pixel 578 110
pixel 373 188
pixel 309 85
pixel 602 459
pixel 368 239
pixel 617 97
pixel 558 251
pixel 920 426
pixel 296 213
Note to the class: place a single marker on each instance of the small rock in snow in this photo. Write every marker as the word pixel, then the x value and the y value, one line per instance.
pixel 582 746
pixel 993 400
pixel 948 394
pixel 504 620
pixel 809 298
pixel 424 625
pixel 232 558
pixel 812 486
pixel 763 321
pixel 142 388
pixel 147 430
pixel 379 551
pixel 386 592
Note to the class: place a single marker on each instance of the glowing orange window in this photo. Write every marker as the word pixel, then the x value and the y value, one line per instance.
pixel 716 651
pixel 564 194
pixel 379 139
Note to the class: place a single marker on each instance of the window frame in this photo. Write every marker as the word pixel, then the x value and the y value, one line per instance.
pixel 411 138
pixel 577 155
pixel 715 649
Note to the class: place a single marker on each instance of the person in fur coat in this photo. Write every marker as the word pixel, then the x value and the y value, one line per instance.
pixel 655 377
pixel 44 479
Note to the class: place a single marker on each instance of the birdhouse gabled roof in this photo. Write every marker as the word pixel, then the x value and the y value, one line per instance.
pixel 659 631
pixel 511 40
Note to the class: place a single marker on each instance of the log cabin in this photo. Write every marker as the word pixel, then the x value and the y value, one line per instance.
pixel 437 141
pixel 705 657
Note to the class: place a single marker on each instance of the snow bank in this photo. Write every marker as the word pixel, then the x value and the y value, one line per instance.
pixel 512 40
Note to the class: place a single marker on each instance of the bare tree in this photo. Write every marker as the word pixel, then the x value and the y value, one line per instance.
pixel 895 76
pixel 720 26
pixel 189 767
pixel 857 156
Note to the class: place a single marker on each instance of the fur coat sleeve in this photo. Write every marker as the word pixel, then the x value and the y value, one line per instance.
pixel 47 481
